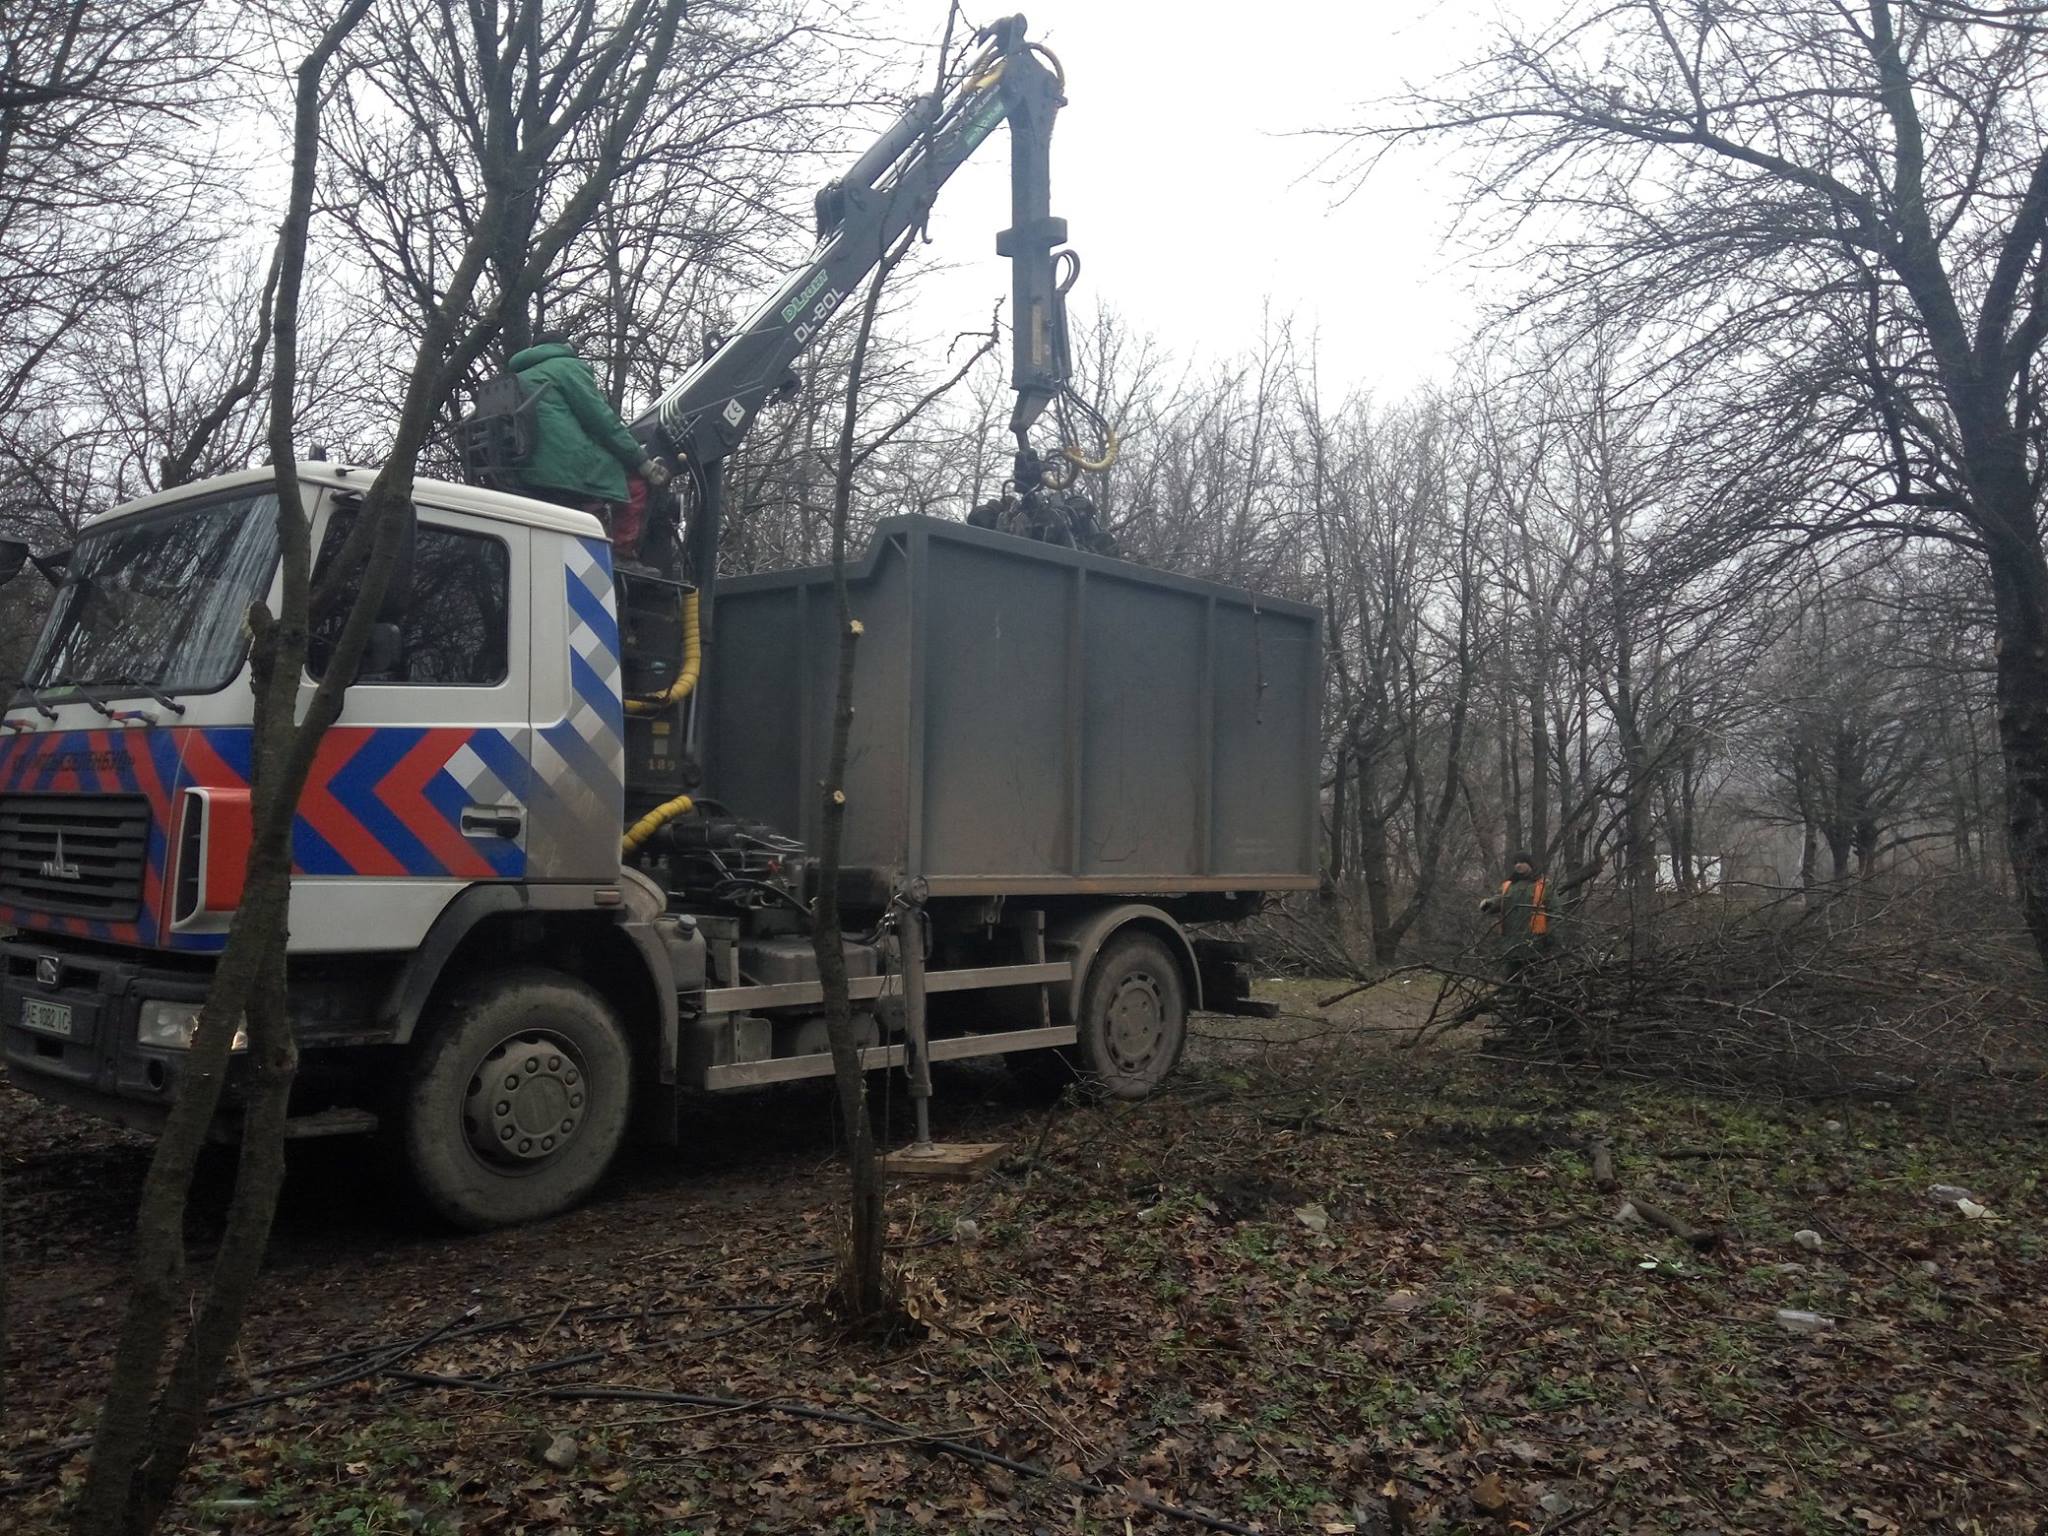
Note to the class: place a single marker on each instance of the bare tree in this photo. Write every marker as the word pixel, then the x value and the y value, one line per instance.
pixel 145 1435
pixel 146 1429
pixel 453 112
pixel 1831 216
pixel 1396 498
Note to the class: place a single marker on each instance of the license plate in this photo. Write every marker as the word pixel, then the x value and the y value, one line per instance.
pixel 50 1018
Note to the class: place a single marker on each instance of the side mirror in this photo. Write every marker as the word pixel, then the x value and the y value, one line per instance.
pixel 13 556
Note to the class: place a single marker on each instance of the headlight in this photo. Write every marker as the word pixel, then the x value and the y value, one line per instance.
pixel 170 1026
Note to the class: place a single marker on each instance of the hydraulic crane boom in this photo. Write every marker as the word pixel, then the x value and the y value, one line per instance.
pixel 881 199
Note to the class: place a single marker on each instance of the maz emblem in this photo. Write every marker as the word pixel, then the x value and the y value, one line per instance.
pixel 55 866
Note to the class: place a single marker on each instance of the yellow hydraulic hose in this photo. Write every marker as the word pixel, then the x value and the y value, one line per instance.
pixel 654 821
pixel 686 680
pixel 1110 448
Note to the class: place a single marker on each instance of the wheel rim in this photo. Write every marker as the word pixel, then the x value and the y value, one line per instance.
pixel 527 1099
pixel 1134 1026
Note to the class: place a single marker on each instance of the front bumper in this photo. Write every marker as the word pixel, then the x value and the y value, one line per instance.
pixel 99 1059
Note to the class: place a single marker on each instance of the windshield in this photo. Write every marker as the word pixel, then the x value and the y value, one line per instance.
pixel 161 598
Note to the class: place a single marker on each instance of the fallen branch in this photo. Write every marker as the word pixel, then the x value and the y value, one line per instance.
pixel 1369 983
pixel 1313 1123
pixel 1698 1239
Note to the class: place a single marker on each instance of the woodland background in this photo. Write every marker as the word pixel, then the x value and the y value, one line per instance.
pixel 1664 580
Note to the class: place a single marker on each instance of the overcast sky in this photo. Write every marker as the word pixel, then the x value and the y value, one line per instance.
pixel 1192 200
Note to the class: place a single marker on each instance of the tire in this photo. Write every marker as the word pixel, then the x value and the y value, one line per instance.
pixel 1134 1017
pixel 479 1154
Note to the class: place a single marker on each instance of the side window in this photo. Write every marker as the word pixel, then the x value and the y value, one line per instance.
pixel 456 627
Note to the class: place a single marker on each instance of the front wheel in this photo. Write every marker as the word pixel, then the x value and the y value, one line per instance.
pixel 517 1100
pixel 1134 1017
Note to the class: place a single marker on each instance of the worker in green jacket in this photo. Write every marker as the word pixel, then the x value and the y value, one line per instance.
pixel 582 454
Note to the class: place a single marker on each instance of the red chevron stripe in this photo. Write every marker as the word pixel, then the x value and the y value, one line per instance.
pixel 65 780
pixel 97 742
pixel 143 762
pixel 402 792
pixel 325 815
pixel 46 746
pixel 202 765
pixel 21 760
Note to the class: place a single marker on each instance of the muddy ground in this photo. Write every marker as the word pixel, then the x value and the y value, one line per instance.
pixel 1325 1284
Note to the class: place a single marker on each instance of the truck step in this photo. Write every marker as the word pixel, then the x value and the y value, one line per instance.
pixel 330 1122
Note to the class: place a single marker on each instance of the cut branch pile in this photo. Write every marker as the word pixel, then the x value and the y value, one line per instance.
pixel 1871 990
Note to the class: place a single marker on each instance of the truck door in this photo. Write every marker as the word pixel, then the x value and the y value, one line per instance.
pixel 422 786
pixel 578 737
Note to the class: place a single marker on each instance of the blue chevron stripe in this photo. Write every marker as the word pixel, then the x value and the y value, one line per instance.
pixel 88 775
pixel 235 746
pixel 46 770
pixel 591 689
pixel 313 854
pixel 600 552
pixel 165 757
pixel 504 758
pixel 589 607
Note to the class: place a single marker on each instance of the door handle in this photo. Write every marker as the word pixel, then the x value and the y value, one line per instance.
pixel 493 821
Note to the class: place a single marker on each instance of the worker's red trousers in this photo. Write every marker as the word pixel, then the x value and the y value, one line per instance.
pixel 629 520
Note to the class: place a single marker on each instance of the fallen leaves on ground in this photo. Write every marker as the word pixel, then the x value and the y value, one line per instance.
pixel 1321 1285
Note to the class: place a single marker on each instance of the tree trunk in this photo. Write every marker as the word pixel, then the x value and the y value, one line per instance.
pixel 144 1438
pixel 1510 779
pixel 1539 771
pixel 1373 855
pixel 1334 870
pixel 2020 585
pixel 861 1289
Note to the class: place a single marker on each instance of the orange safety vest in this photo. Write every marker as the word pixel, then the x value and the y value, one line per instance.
pixel 1539 919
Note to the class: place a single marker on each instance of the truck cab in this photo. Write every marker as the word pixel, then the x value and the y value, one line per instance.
pixel 488 757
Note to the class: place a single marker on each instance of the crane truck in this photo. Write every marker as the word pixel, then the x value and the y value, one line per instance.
pixel 552 869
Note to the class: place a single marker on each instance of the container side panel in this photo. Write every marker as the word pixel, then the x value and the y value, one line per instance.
pixel 774 677
pixel 751 736
pixel 1150 735
pixel 1141 769
pixel 1265 668
pixel 995 785
pixel 877 771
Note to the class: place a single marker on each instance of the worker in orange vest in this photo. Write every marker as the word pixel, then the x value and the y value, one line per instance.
pixel 1524 925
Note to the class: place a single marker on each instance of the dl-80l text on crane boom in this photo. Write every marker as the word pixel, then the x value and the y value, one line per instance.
pixel 550 869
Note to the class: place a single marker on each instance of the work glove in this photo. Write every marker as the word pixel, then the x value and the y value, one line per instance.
pixel 654 472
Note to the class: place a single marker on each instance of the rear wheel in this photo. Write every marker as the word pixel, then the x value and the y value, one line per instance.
pixel 517 1101
pixel 1134 1017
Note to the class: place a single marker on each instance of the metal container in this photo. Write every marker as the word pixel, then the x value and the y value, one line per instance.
pixel 1028 720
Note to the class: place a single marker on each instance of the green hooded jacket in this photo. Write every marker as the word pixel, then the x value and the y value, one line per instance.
pixel 581 445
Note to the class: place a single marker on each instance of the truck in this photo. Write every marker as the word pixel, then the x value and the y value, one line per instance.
pixel 552 869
